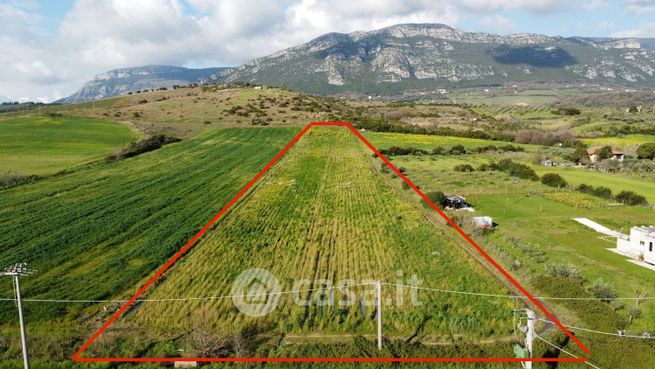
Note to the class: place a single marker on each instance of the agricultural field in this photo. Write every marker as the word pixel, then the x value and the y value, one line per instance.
pixel 535 231
pixel 384 140
pixel 45 145
pixel 642 183
pixel 96 232
pixel 519 97
pixel 324 213
pixel 620 142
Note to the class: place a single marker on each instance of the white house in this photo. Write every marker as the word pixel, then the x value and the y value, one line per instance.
pixel 641 243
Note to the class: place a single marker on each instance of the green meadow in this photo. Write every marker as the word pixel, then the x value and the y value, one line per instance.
pixel 45 145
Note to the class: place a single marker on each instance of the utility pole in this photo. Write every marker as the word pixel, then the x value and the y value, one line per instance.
pixel 529 336
pixel 378 289
pixel 16 271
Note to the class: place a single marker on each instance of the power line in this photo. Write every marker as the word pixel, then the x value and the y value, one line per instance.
pixel 468 293
pixel 511 296
pixel 192 298
pixel 564 351
pixel 600 332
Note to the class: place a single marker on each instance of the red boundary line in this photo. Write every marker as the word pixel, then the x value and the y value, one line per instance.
pixel 76 356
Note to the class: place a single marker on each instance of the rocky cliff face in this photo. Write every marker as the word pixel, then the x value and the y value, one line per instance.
pixel 121 81
pixel 414 57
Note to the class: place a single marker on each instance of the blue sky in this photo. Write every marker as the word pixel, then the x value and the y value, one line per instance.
pixel 49 48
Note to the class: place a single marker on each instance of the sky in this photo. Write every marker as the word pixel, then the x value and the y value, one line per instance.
pixel 48 49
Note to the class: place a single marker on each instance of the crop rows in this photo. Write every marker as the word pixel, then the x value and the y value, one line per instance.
pixel 97 232
pixel 324 213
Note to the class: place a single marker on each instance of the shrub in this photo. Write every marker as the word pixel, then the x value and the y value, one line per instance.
pixel 553 180
pixel 595 314
pixel 464 168
pixel 567 111
pixel 604 152
pixel 602 192
pixel 516 169
pixel 258 122
pixel 631 198
pixel 384 168
pixel 602 291
pixel 646 151
pixel 395 150
pixel 634 313
pixel 438 150
pixel 511 148
pixel 11 179
pixel 457 150
pixel 569 272
pixel 405 186
pixel 485 167
pixel 136 148
pixel 579 155
pixel 435 196
pixel 585 188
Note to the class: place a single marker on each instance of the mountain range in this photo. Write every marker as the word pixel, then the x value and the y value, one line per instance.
pixel 409 59
pixel 121 81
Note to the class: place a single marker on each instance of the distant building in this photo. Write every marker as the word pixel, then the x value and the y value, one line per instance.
pixel 483 222
pixel 594 157
pixel 640 243
pixel 549 163
pixel 455 202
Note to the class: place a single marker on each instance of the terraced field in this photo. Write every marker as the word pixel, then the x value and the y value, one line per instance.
pixel 324 213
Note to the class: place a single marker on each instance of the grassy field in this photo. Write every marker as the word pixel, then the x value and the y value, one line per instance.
pixel 643 184
pixel 541 215
pixel 325 214
pixel 45 145
pixel 383 140
pixel 507 97
pixel 96 232
pixel 620 142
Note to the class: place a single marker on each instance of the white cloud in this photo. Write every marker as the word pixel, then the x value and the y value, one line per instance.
pixel 95 36
pixel 643 30
pixel 639 6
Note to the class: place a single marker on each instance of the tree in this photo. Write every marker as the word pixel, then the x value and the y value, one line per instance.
pixel 604 152
pixel 646 151
pixel 633 109
pixel 565 271
pixel 602 290
pixel 631 198
pixel 579 156
pixel 553 180
pixel 435 196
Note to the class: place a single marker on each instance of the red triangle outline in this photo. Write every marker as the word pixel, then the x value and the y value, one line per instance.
pixel 76 356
